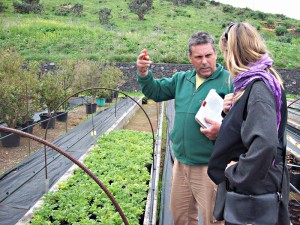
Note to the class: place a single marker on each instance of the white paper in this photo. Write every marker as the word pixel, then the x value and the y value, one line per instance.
pixel 210 108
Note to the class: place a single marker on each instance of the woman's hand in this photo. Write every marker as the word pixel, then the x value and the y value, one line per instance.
pixel 227 102
pixel 230 164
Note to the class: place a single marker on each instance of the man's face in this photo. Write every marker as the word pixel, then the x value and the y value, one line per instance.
pixel 204 59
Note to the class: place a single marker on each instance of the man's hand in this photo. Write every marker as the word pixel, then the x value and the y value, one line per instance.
pixel 142 63
pixel 227 102
pixel 211 132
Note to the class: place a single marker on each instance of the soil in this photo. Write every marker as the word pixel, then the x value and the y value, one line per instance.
pixel 9 157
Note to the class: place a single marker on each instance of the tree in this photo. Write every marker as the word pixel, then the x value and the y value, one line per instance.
pixel 86 75
pixel 18 93
pixel 140 7
pixel 110 77
pixel 51 89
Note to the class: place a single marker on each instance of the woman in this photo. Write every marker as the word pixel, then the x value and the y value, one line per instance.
pixel 250 148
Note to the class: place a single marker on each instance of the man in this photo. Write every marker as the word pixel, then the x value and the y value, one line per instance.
pixel 191 186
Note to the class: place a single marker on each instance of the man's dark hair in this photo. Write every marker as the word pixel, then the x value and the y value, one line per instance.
pixel 200 38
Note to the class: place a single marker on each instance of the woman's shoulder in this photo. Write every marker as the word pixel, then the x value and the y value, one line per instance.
pixel 260 92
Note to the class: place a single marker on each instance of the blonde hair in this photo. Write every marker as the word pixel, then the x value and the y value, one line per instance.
pixel 243 46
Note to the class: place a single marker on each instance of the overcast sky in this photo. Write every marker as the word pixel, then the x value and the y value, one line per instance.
pixel 290 8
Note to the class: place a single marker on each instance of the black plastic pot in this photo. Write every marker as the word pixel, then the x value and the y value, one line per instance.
pixel 27 126
pixel 144 100
pixel 12 140
pixel 91 108
pixel 62 116
pixel 44 121
pixel 115 94
pixel 109 100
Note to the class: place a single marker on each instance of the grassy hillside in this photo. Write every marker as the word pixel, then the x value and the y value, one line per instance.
pixel 51 36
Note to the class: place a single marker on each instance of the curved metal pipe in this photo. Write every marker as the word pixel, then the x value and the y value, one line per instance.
pixel 97 88
pixel 297 99
pixel 79 164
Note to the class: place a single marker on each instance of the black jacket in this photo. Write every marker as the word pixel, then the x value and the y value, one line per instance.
pixel 249 135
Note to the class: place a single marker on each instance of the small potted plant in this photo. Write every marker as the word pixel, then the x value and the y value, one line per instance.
pixel 110 77
pixel 66 68
pixel 52 94
pixel 86 76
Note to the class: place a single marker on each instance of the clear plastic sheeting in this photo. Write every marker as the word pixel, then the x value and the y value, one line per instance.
pixel 24 184
pixel 165 213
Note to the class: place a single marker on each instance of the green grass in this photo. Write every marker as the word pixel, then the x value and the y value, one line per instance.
pixel 164 32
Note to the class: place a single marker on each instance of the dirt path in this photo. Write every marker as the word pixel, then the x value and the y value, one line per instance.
pixel 140 122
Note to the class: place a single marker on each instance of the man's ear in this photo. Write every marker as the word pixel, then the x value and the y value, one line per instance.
pixel 189 56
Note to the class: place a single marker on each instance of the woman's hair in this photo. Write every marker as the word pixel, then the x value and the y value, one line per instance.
pixel 242 44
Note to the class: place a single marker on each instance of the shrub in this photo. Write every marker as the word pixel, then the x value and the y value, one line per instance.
pixel 285 39
pixel 228 8
pixel 281 30
pixel 104 15
pixel 183 2
pixel 2 7
pixel 31 2
pixel 262 15
pixel 77 9
pixel 214 3
pixel 287 24
pixel 62 11
pixel 281 16
pixel 140 7
pixel 199 3
pixel 28 6
pixel 270 21
pixel 66 9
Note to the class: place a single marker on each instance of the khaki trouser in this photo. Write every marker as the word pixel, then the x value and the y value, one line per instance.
pixel 192 188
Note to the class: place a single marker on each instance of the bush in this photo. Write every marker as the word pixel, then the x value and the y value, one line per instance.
pixel 31 2
pixel 66 9
pixel 270 21
pixel 199 3
pixel 25 8
pixel 281 30
pixel 214 3
pixel 77 9
pixel 62 11
pixel 183 2
pixel 262 15
pixel 2 7
pixel 104 15
pixel 228 8
pixel 285 39
pixel 140 7
pixel 287 24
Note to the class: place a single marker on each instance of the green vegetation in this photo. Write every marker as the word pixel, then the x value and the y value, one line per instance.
pixel 85 31
pixel 80 200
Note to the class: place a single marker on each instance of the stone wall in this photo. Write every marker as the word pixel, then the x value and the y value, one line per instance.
pixel 291 77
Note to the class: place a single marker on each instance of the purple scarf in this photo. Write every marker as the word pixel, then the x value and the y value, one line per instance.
pixel 257 71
